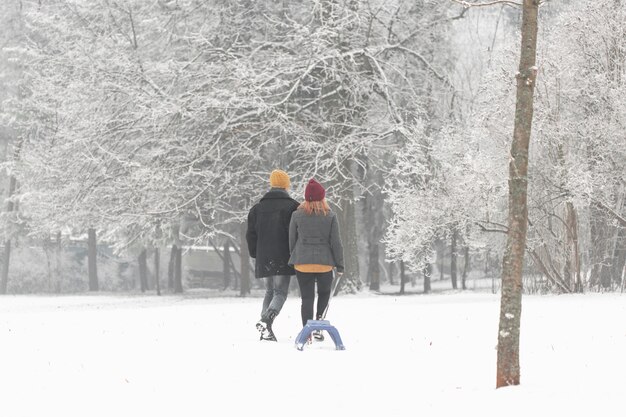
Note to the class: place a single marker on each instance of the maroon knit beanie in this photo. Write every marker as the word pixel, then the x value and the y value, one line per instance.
pixel 314 191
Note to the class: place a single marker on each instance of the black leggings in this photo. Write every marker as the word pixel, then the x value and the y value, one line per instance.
pixel 306 282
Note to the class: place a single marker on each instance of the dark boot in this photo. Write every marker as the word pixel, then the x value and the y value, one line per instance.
pixel 318 334
pixel 266 332
pixel 264 326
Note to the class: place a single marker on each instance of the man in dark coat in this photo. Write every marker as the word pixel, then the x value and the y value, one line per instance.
pixel 268 243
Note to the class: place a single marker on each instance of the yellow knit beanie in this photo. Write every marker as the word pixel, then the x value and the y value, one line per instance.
pixel 279 179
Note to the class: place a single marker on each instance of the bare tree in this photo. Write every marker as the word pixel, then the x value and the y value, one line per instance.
pixel 508 370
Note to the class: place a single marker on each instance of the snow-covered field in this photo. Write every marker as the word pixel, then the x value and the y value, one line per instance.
pixel 418 355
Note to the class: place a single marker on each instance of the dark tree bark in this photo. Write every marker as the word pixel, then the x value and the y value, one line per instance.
pixel 244 261
pixel 170 268
pixel 178 269
pixel 402 278
pixel 4 283
pixel 143 270
pixel 427 272
pixel 347 229
pixel 573 249
pixel 92 256
pixel 466 267
pixel 508 370
pixel 178 262
pixel 619 259
pixel 442 255
pixel 374 226
pixel 453 258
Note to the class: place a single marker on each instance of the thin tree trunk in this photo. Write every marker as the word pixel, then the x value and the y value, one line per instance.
pixel 170 268
pixel 157 270
pixel 57 267
pixel 92 256
pixel 442 253
pixel 226 264
pixel 46 246
pixel 5 267
pixel 244 262
pixel 374 267
pixel 143 270
pixel 554 278
pixel 178 269
pixel 493 277
pixel 226 260
pixel 508 370
pixel 178 262
pixel 453 258
pixel 402 277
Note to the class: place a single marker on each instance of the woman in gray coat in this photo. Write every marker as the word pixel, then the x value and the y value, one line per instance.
pixel 316 250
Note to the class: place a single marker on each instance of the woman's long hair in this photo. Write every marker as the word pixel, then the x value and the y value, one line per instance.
pixel 315 207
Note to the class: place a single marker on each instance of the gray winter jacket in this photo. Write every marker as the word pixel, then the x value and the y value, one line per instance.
pixel 314 239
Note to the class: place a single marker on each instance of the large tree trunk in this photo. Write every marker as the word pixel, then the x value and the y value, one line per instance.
pixel 373 246
pixel 617 252
pixel 178 262
pixel 351 281
pixel 244 261
pixel 453 258
pixel 427 272
pixel 508 370
pixel 374 225
pixel 573 250
pixel 466 267
pixel 4 283
pixel 619 259
pixel 143 270
pixel 92 256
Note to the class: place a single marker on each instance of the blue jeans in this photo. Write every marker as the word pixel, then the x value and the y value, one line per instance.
pixel 276 289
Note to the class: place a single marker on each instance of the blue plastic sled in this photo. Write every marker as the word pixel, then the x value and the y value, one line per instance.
pixel 312 325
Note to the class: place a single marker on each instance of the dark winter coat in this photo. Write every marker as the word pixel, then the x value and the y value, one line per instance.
pixel 268 233
pixel 314 239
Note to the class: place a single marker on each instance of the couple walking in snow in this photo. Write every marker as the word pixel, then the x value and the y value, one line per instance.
pixel 289 238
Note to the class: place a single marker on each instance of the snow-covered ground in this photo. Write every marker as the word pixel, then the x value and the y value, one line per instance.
pixel 417 355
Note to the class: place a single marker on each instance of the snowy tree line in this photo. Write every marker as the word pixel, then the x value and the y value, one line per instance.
pixel 154 124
